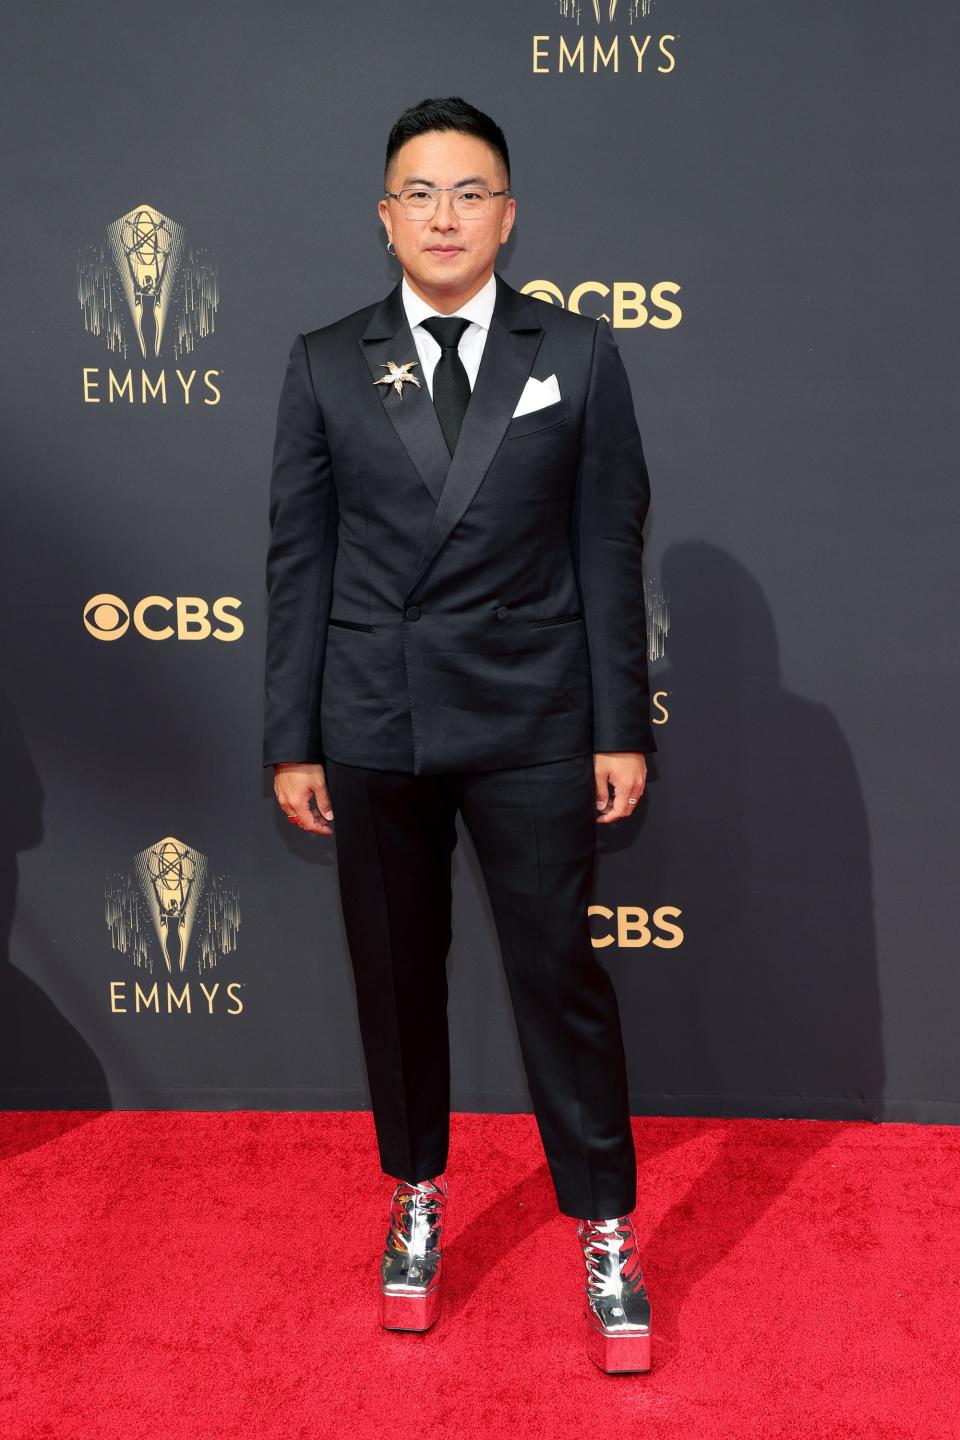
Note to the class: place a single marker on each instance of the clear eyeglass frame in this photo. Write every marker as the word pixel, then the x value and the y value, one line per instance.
pixel 459 193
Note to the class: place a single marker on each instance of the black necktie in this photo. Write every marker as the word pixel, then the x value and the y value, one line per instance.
pixel 451 384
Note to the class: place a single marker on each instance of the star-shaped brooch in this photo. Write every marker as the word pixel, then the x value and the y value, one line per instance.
pixel 397 375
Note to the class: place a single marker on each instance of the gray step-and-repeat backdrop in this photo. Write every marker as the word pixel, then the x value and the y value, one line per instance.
pixel 756 195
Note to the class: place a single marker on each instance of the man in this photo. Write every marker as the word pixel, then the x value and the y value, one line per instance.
pixel 457 624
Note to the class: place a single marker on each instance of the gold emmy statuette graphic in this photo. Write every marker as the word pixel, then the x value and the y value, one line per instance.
pixel 146 269
pixel 147 247
pixel 172 892
pixel 175 874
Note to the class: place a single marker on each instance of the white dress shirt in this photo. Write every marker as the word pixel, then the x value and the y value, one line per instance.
pixel 478 310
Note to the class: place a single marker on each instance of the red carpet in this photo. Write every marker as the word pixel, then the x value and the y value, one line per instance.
pixel 183 1275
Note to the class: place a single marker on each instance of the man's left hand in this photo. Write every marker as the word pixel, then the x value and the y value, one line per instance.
pixel 626 772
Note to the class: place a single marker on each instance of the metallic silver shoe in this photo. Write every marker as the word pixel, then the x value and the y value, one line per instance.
pixel 618 1309
pixel 413 1256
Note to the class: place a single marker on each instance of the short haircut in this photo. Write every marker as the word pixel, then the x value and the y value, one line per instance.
pixel 449 113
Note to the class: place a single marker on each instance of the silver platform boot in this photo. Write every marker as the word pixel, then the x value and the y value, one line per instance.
pixel 617 1308
pixel 413 1256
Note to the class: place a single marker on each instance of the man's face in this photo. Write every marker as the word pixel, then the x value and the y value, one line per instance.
pixel 447 254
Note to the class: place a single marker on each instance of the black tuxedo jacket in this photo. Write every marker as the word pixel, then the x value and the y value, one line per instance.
pixel 430 614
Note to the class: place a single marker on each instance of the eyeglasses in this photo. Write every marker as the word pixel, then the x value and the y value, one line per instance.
pixel 421 203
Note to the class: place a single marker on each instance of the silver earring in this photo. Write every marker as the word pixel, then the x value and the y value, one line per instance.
pixel 390 251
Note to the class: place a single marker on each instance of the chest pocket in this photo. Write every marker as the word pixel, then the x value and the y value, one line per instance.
pixel 536 420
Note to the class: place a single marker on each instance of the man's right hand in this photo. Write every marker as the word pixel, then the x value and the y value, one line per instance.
pixel 294 785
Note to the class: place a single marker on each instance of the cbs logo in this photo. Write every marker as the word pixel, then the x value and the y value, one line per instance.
pixel 632 305
pixel 635 927
pixel 106 617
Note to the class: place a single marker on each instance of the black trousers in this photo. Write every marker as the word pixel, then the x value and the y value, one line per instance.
pixel 534 831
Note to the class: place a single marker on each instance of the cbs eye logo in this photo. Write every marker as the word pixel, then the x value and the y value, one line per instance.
pixel 632 304
pixel 187 617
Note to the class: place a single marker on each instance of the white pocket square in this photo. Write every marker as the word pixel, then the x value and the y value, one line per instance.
pixel 537 394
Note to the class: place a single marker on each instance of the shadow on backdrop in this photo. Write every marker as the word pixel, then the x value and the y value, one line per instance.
pixel 44 1060
pixel 754 826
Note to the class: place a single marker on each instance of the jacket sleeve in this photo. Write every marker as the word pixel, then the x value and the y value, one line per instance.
pixel 299 571
pixel 611 500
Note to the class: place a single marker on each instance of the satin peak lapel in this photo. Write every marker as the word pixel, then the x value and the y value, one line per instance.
pixel 509 352
pixel 388 337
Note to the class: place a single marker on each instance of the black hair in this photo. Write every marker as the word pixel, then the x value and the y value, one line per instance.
pixel 450 113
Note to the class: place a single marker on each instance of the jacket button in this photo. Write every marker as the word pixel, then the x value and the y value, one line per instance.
pixel 412 612
pixel 502 612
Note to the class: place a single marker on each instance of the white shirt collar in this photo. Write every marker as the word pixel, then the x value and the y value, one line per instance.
pixel 479 308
